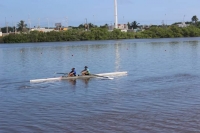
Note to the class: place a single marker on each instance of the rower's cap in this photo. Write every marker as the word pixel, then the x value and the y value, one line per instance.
pixel 86 67
pixel 73 68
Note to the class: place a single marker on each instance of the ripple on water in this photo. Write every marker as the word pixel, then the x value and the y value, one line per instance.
pixel 159 94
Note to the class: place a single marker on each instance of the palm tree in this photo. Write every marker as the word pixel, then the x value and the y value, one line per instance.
pixel 104 26
pixel 91 25
pixel 21 26
pixel 195 19
pixel 134 25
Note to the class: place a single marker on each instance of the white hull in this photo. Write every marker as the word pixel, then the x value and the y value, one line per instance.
pixel 101 75
pixel 113 74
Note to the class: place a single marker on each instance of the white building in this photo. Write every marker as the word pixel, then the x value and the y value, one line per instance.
pixel 182 24
pixel 42 29
pixel 122 27
pixel 1 34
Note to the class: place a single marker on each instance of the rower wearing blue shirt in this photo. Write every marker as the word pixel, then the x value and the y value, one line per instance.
pixel 72 73
pixel 85 71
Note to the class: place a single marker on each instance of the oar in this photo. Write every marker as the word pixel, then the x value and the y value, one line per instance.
pixel 62 73
pixel 103 76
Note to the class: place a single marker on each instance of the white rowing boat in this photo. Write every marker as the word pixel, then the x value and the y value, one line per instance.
pixel 101 75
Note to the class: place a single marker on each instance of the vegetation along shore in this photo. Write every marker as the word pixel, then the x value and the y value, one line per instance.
pixel 82 33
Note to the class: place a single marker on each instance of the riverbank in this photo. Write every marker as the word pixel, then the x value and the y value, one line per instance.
pixel 1 40
pixel 101 34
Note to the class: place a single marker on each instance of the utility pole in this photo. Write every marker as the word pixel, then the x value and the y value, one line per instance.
pixel 12 25
pixel 116 19
pixel 6 25
pixel 48 22
pixel 15 27
pixel 39 23
pixel 86 24
pixel 94 20
pixel 29 22
pixel 183 18
pixel 66 23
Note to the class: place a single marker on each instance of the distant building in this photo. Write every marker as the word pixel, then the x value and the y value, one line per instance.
pixel 42 29
pixel 182 24
pixel 1 34
pixel 122 27
pixel 111 27
pixel 145 26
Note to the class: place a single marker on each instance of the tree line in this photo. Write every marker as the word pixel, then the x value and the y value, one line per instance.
pixel 102 33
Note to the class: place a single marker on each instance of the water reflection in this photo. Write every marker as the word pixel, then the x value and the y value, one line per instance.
pixel 194 43
pixel 117 57
pixel 72 81
pixel 85 81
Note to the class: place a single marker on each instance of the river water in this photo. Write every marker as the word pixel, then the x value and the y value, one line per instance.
pixel 161 92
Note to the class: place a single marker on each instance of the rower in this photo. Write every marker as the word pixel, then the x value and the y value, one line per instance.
pixel 85 71
pixel 72 73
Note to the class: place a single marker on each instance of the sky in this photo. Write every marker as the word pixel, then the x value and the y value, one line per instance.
pixel 99 12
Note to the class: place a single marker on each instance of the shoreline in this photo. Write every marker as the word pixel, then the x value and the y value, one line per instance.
pixel 98 34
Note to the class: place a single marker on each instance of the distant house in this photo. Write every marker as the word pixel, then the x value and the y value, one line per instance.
pixel 122 27
pixel 1 34
pixel 42 29
pixel 182 24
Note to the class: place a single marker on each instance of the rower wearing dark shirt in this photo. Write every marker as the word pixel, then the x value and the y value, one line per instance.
pixel 72 73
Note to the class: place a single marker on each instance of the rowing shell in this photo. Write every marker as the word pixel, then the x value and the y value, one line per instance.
pixel 101 75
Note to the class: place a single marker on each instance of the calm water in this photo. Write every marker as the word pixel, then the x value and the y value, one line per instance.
pixel 161 92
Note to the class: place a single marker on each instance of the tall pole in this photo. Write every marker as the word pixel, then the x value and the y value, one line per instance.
pixel 12 24
pixel 184 19
pixel 66 22
pixel 6 25
pixel 48 22
pixel 86 23
pixel 39 23
pixel 29 22
pixel 94 20
pixel 116 19
pixel 15 27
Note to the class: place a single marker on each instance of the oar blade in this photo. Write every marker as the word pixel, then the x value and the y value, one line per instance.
pixel 103 77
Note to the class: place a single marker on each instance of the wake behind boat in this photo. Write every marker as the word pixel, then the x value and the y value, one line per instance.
pixel 101 75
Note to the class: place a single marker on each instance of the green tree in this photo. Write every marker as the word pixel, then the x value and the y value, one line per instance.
pixel 91 25
pixel 129 25
pixel 22 26
pixel 134 25
pixel 104 26
pixel 4 29
pixel 195 19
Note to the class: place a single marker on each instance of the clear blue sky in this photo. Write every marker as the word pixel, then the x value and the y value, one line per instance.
pixel 96 11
